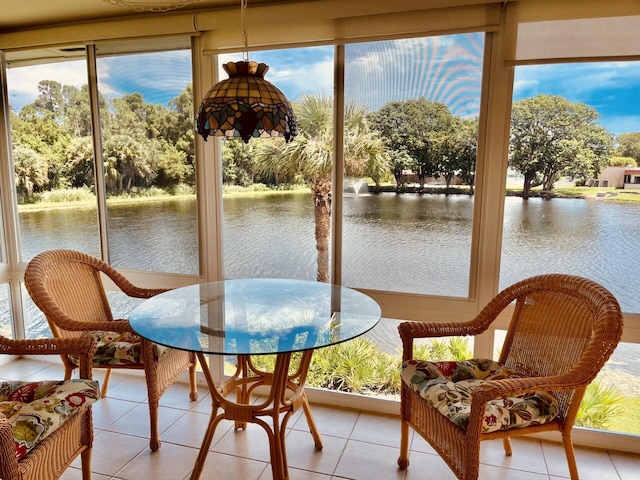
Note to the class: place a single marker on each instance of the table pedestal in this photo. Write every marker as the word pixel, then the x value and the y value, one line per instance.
pixel 285 396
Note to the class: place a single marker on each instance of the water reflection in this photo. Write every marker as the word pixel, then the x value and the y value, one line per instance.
pixel 406 243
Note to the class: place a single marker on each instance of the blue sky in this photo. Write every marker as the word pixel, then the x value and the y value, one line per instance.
pixel 445 69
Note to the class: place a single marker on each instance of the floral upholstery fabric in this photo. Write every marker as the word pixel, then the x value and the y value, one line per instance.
pixel 120 348
pixel 37 409
pixel 449 387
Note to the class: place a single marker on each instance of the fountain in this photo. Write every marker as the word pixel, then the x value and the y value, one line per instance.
pixel 355 186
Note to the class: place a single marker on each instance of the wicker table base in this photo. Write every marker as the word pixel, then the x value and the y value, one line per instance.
pixel 285 395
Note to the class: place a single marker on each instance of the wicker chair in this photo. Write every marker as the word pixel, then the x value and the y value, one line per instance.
pixel 67 286
pixel 51 456
pixel 562 331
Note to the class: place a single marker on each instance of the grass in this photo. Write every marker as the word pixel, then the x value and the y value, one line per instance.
pixel 629 420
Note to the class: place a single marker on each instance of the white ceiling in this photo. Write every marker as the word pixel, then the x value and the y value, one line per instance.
pixel 21 14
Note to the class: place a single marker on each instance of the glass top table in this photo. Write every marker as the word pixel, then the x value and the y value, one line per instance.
pixel 259 316
pixel 255 316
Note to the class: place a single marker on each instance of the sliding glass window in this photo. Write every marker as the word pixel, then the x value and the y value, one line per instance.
pixel 146 117
pixel 53 155
pixel 411 123
pixel 571 204
pixel 276 220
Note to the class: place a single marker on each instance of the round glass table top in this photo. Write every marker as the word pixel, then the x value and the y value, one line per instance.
pixel 255 316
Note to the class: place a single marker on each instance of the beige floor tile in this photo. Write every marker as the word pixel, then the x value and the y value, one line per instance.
pixel 592 464
pixel 229 467
pixel 113 451
pixel 108 410
pixel 367 461
pixel 527 455
pixel 330 421
pixel 28 369
pixel 380 429
pixel 170 462
pixel 136 421
pixel 302 453
pixel 76 474
pixel 627 465
pixel 490 472
pixel 420 463
pixel 296 474
pixel 131 387
pixel 190 428
pixel 177 396
pixel 251 443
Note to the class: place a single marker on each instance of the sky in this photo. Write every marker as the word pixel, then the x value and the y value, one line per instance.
pixel 445 69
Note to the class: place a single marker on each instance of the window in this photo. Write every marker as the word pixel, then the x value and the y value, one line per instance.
pixel 269 222
pixel 6 323
pixel 146 117
pixel 409 229
pixel 593 236
pixel 53 157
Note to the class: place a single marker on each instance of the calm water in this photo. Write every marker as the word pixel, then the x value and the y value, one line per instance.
pixel 405 243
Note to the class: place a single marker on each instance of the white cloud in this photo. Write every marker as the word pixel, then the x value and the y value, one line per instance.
pixel 23 81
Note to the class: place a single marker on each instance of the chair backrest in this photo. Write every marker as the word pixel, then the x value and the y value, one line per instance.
pixel 66 285
pixel 560 324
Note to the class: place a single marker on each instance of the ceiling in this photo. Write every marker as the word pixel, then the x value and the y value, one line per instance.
pixel 24 14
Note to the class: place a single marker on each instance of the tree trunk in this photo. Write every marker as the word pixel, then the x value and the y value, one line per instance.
pixel 321 192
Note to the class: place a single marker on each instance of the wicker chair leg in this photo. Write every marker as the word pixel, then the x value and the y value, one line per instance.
pixel 403 459
pixel 506 443
pixel 571 456
pixel 105 383
pixel 85 457
pixel 154 440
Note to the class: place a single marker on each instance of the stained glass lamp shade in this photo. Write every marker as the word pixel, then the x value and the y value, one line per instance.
pixel 246 105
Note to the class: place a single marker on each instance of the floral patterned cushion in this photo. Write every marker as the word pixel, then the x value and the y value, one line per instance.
pixel 119 348
pixel 449 388
pixel 36 409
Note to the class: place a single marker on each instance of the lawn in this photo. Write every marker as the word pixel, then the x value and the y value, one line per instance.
pixel 629 422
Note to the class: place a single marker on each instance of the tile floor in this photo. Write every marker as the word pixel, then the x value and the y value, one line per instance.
pixel 357 445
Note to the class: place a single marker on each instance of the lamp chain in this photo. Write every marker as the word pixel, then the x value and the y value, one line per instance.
pixel 245 35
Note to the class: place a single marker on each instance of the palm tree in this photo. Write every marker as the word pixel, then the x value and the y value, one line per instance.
pixel 310 154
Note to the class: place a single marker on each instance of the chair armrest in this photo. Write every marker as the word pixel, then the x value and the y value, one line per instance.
pixel 119 325
pixel 84 347
pixel 129 288
pixel 511 387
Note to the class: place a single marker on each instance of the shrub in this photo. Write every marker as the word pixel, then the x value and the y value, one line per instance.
pixel 599 406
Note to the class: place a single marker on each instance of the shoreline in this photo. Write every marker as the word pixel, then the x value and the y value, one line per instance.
pixel 608 194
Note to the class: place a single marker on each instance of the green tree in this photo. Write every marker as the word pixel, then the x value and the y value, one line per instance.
pixel 416 127
pixel 310 155
pixel 551 136
pixel 457 150
pixel 238 162
pixel 622 162
pixel 30 171
pixel 629 145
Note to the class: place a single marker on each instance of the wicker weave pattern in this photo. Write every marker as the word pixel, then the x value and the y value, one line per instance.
pixel 49 459
pixel 67 286
pixel 563 329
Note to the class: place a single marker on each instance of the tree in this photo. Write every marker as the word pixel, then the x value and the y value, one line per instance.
pixel 622 162
pixel 456 151
pixel 30 171
pixel 551 136
pixel 415 127
pixel 310 154
pixel 629 145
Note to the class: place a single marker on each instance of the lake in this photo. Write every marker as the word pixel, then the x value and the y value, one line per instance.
pixel 409 243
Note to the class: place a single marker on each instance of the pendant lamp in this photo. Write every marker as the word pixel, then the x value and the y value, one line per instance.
pixel 246 105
